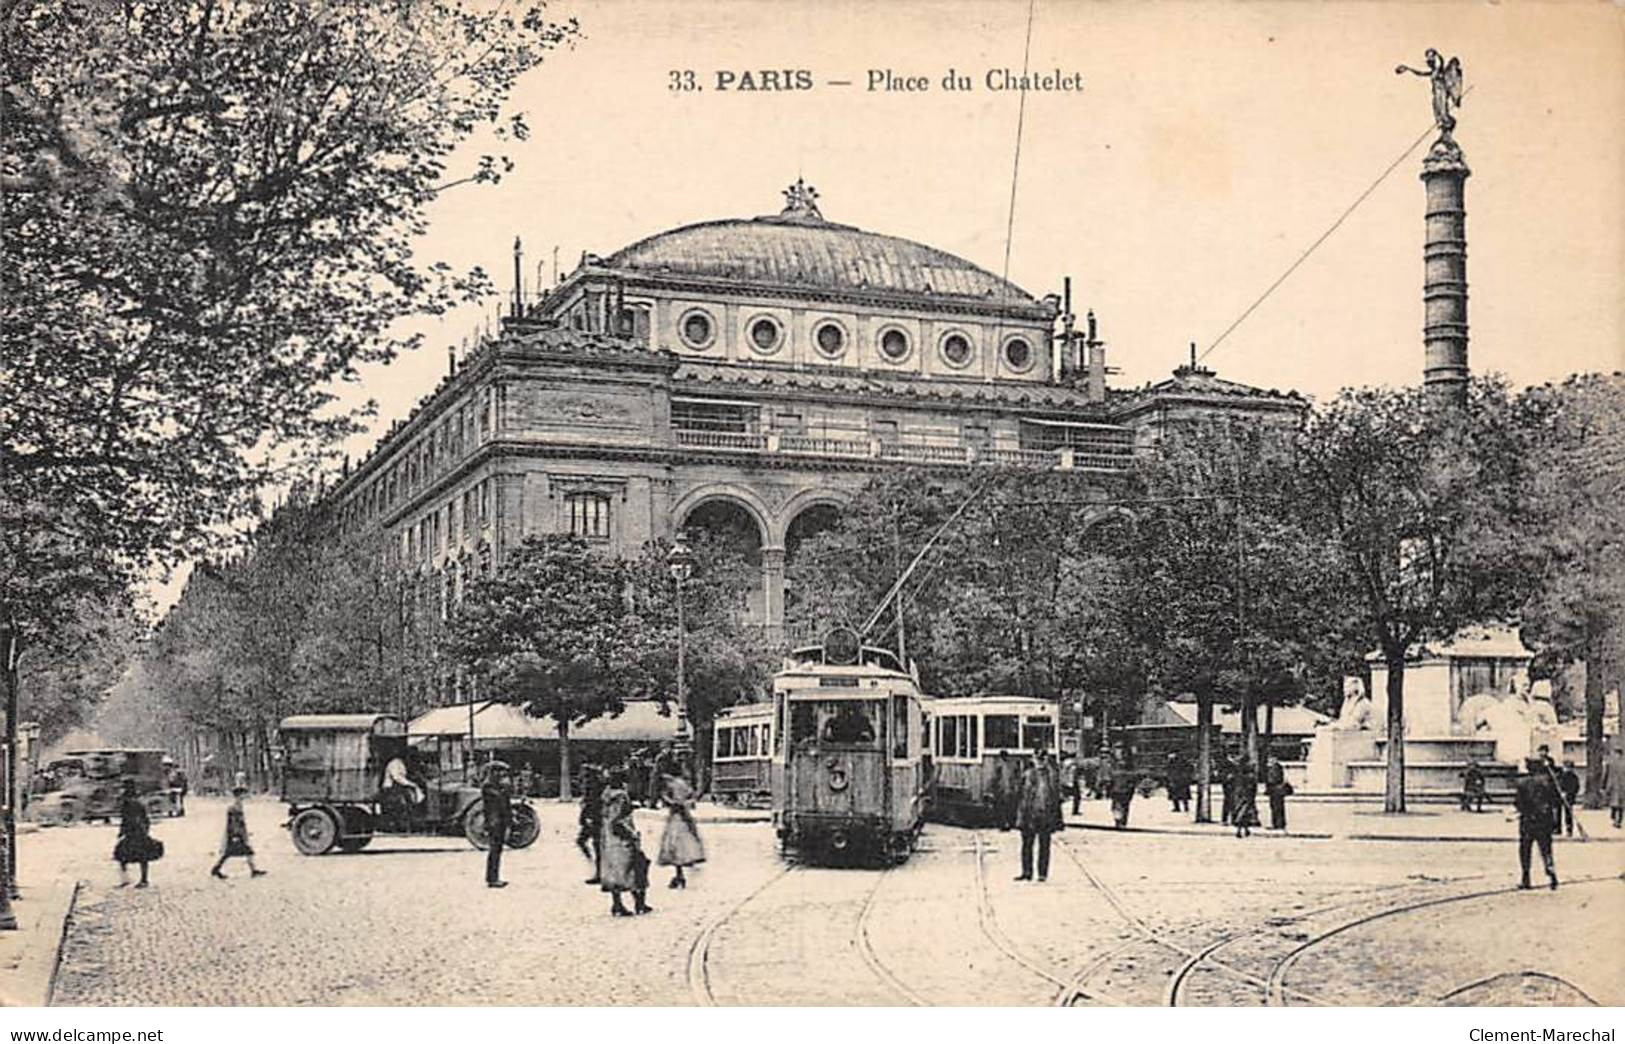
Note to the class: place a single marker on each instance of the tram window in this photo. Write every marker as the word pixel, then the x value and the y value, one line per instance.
pixel 970 734
pixel 1038 732
pixel 803 722
pixel 778 734
pixel 849 722
pixel 767 739
pixel 949 747
pixel 750 739
pixel 899 731
pixel 1001 732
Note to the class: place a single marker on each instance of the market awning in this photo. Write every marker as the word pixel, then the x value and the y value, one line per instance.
pixel 640 721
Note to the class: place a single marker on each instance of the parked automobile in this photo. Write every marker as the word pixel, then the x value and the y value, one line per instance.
pixel 88 785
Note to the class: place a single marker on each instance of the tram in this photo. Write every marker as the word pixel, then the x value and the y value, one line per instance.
pixel 969 737
pixel 742 755
pixel 850 766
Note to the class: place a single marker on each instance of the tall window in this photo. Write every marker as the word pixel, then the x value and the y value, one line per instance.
pixel 485 502
pixel 468 510
pixel 485 412
pixel 589 515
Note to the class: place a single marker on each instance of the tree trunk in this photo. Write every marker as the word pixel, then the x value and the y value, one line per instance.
pixel 1269 723
pixel 1393 798
pixel 1595 686
pixel 1249 727
pixel 1204 755
pixel 564 759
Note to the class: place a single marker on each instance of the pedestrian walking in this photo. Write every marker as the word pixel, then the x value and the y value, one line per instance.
pixel 621 863
pixel 1071 781
pixel 1125 781
pixel 1244 802
pixel 1568 784
pixel 1038 812
pixel 1537 802
pixel 235 840
pixel 590 820
pixel 1179 782
pixel 135 841
pixel 1006 790
pixel 175 779
pixel 666 763
pixel 1472 788
pixel 495 795
pixel 1276 788
pixel 680 844
pixel 1613 783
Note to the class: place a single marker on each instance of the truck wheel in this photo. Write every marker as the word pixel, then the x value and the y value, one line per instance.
pixel 358 827
pixel 523 827
pixel 314 831
pixel 474 828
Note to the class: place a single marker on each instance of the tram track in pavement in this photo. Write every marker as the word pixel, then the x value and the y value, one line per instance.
pixel 699 953
pixel 1070 989
pixel 1278 991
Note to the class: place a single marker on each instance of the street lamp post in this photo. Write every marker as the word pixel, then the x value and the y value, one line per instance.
pixel 681 563
pixel 10 648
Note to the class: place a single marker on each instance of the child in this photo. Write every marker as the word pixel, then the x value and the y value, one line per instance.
pixel 236 838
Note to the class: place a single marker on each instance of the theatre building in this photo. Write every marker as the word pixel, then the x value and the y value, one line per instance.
pixel 749 375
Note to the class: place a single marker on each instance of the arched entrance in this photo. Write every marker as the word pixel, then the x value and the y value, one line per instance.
pixel 800 538
pixel 725 527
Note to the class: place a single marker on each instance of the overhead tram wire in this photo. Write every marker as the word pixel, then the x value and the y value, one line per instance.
pixel 1431 127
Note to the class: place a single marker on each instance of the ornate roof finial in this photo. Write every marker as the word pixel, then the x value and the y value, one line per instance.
pixel 801 201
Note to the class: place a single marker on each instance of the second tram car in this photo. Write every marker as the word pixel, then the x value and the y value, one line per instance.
pixel 742 754
pixel 850 766
pixel 968 737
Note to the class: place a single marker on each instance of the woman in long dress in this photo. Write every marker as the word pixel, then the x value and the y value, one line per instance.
pixel 622 866
pixel 135 842
pixel 680 844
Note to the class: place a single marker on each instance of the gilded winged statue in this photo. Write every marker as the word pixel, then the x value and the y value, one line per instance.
pixel 1445 78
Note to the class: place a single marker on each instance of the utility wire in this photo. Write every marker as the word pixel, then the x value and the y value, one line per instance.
pixel 1021 120
pixel 1323 236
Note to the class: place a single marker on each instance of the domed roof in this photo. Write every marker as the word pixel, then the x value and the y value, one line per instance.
pixel 799 248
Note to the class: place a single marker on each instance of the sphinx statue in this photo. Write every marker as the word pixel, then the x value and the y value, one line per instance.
pixel 1355 712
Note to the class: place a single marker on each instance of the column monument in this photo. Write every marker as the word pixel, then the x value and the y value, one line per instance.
pixel 1444 255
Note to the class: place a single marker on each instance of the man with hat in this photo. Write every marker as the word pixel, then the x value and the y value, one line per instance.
pixel 1537 802
pixel 494 798
pixel 1038 812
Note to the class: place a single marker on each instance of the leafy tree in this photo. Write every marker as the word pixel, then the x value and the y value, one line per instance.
pixel 1416 500
pixel 64 681
pixel 555 630
pixel 1576 610
pixel 207 219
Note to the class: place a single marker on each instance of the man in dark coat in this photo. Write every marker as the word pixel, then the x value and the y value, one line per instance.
pixel 1244 797
pixel 1537 802
pixel 1038 812
pixel 1179 782
pixel 1472 788
pixel 1568 784
pixel 590 821
pixel 494 798
pixel 1276 788
pixel 1006 789
pixel 1125 781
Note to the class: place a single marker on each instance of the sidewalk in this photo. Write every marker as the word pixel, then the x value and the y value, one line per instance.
pixel 1341 820
pixel 28 955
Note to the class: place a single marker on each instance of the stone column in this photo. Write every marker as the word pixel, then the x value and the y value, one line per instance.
pixel 773 589
pixel 1444 285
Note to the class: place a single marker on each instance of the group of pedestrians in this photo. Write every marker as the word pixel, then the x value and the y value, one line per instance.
pixel 608 833
pixel 136 845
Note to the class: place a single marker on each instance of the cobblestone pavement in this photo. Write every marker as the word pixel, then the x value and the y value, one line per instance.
pixel 1130 918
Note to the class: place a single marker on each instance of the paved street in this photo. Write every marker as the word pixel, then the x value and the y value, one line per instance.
pixel 1133 918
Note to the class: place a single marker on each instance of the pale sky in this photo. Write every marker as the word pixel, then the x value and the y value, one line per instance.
pixel 1210 146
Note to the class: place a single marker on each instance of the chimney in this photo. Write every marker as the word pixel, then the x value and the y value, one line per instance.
pixel 1069 363
pixel 518 279
pixel 1095 375
pixel 451 360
